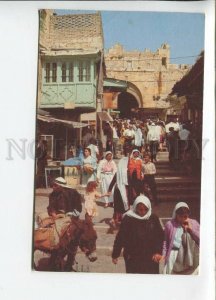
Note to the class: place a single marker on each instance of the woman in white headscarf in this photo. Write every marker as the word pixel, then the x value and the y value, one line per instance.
pixel 105 172
pixel 141 236
pixel 174 230
pixel 89 167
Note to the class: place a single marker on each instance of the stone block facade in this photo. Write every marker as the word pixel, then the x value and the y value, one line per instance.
pixel 151 72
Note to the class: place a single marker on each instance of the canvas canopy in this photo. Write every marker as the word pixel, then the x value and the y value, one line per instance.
pixel 50 119
pixel 104 116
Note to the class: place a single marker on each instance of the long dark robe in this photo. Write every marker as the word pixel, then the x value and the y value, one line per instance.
pixel 117 198
pixel 140 240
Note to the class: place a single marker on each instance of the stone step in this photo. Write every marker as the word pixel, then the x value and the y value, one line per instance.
pixel 162 154
pixel 179 191
pixel 179 197
pixel 162 163
pixel 176 180
pixel 168 172
pixel 178 188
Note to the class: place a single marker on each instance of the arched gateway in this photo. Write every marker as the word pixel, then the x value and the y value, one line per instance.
pixel 129 100
pixel 122 96
pixel 127 103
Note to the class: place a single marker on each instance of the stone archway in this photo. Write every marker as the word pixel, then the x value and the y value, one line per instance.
pixel 134 91
pixel 126 103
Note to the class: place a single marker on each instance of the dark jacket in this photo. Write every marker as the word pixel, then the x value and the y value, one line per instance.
pixel 64 201
pixel 140 239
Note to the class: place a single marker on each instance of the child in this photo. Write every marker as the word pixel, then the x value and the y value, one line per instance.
pixel 149 173
pixel 90 199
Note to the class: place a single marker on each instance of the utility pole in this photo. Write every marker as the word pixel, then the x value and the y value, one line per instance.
pixel 99 107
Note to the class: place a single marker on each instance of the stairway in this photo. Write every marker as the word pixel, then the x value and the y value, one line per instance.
pixel 174 185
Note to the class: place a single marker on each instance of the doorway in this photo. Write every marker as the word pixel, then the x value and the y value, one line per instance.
pixel 126 105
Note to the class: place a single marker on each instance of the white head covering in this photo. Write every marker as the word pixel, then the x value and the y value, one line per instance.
pixel 60 181
pixel 132 212
pixel 108 152
pixel 178 205
pixel 135 150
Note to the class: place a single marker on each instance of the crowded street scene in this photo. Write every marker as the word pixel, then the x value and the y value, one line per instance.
pixel 118 154
pixel 107 150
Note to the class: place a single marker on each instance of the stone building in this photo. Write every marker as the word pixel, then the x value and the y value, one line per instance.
pixel 190 89
pixel 70 74
pixel 149 75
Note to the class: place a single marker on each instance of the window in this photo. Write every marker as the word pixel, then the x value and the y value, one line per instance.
pixel 51 67
pixel 84 71
pixel 80 71
pixel 54 72
pixel 164 61
pixel 129 65
pixel 64 72
pixel 47 77
pixel 87 70
pixel 71 72
pixel 95 66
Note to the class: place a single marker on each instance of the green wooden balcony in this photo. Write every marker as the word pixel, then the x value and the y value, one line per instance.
pixel 68 84
pixel 65 95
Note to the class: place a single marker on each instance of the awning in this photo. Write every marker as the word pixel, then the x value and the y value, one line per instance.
pixel 88 116
pixel 50 119
pixel 104 116
pixel 115 83
pixel 42 112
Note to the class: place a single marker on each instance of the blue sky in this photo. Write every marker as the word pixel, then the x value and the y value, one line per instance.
pixel 184 32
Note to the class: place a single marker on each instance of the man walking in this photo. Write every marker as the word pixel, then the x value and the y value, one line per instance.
pixel 153 139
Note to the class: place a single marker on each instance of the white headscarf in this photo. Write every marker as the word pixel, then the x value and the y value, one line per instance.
pixel 178 205
pixel 132 212
pixel 108 152
pixel 132 154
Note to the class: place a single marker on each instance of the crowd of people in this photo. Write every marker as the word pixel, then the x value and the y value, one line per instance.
pixel 151 135
pixel 128 185
pixel 136 145
pixel 146 246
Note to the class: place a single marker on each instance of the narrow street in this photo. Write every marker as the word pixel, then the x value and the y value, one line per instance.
pixel 172 186
pixel 108 150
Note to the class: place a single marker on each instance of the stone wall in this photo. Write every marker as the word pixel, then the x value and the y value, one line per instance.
pixel 151 72
pixel 75 31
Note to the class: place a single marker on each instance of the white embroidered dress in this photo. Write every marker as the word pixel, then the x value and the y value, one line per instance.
pixel 105 172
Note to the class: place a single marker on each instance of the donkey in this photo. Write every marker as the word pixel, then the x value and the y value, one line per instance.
pixel 79 233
